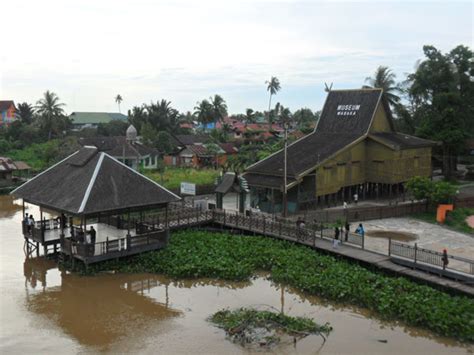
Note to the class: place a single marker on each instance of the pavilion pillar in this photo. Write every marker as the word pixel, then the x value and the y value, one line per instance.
pixel 166 217
pixel 128 223
pixel 23 207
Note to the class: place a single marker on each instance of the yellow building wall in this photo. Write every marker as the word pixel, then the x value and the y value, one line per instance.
pixel 380 122
pixel 385 165
pixel 345 169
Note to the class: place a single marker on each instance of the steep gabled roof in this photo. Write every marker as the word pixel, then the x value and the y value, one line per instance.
pixel 188 139
pixel 89 182
pixel 349 111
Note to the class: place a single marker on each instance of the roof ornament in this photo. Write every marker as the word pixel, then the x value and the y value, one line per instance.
pixel 327 88
pixel 131 134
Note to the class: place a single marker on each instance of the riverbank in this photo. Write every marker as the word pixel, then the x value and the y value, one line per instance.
pixel 194 254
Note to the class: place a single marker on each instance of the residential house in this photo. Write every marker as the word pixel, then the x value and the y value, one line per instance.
pixel 7 112
pixel 126 149
pixel 7 167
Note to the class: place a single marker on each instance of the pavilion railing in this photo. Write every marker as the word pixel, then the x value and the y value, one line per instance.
pixel 115 247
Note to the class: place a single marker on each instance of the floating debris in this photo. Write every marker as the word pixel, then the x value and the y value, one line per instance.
pixel 252 328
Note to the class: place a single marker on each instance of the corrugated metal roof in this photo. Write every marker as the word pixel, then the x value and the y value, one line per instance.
pixel 96 117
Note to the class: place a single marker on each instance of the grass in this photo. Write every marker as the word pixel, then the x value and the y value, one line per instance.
pixel 456 219
pixel 173 177
pixel 194 254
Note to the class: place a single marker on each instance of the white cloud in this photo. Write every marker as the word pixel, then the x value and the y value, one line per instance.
pixel 88 51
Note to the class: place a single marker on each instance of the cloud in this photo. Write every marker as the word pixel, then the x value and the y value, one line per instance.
pixel 185 51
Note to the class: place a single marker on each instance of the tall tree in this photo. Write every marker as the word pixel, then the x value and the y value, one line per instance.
pixel 137 117
pixel 51 113
pixel 204 112
pixel 118 100
pixel 219 108
pixel 26 112
pixel 442 98
pixel 249 116
pixel 162 116
pixel 384 79
pixel 273 86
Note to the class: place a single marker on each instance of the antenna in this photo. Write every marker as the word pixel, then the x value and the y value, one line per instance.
pixel 327 88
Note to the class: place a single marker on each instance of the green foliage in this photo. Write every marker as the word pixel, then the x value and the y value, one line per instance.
pixel 172 177
pixel 246 317
pixel 435 192
pixel 194 254
pixel 42 155
pixel 112 128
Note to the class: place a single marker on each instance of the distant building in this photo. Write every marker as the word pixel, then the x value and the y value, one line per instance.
pixel 7 112
pixel 127 150
pixel 82 120
pixel 7 167
pixel 196 150
pixel 354 151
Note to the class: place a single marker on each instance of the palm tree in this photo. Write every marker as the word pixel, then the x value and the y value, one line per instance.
pixel 219 108
pixel 384 79
pixel 118 100
pixel 204 112
pixel 273 85
pixel 50 111
pixel 249 116
pixel 26 112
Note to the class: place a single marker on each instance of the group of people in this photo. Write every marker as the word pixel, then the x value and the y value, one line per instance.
pixel 29 222
pixel 339 231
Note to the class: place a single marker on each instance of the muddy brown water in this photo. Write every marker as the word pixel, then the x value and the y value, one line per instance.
pixel 46 311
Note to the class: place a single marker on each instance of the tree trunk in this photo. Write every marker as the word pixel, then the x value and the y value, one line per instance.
pixel 269 105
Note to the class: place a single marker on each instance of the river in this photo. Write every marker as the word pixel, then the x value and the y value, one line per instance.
pixel 46 311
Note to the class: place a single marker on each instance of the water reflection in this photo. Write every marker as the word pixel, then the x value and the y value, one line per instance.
pixel 96 311
pixel 9 206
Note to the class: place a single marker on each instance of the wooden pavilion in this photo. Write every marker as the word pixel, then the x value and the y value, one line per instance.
pixel 90 190
pixel 354 150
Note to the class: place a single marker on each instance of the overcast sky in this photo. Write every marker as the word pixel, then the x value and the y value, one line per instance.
pixel 184 51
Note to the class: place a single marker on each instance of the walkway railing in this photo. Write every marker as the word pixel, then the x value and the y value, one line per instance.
pixel 431 257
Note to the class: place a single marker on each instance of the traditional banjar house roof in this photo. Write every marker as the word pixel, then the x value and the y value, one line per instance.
pixel 92 185
pixel 82 120
pixel 354 150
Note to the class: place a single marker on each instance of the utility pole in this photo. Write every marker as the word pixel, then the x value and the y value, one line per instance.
pixel 285 197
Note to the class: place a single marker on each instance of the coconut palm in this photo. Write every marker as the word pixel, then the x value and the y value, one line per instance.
pixel 249 116
pixel 204 112
pixel 26 112
pixel 50 112
pixel 384 79
pixel 118 100
pixel 273 86
pixel 219 108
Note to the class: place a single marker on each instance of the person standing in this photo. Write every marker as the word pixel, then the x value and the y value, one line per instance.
pixel 347 227
pixel 31 223
pixel 360 230
pixel 444 258
pixel 356 198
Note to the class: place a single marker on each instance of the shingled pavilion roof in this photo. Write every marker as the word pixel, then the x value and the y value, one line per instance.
pixel 89 182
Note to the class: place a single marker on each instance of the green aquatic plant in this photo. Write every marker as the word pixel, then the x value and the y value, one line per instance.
pixel 194 254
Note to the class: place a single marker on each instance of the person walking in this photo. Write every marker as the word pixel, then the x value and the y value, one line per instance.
pixel 347 227
pixel 335 242
pixel 360 230
pixel 356 198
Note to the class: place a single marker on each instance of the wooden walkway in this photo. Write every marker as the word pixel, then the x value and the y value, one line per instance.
pixel 321 240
